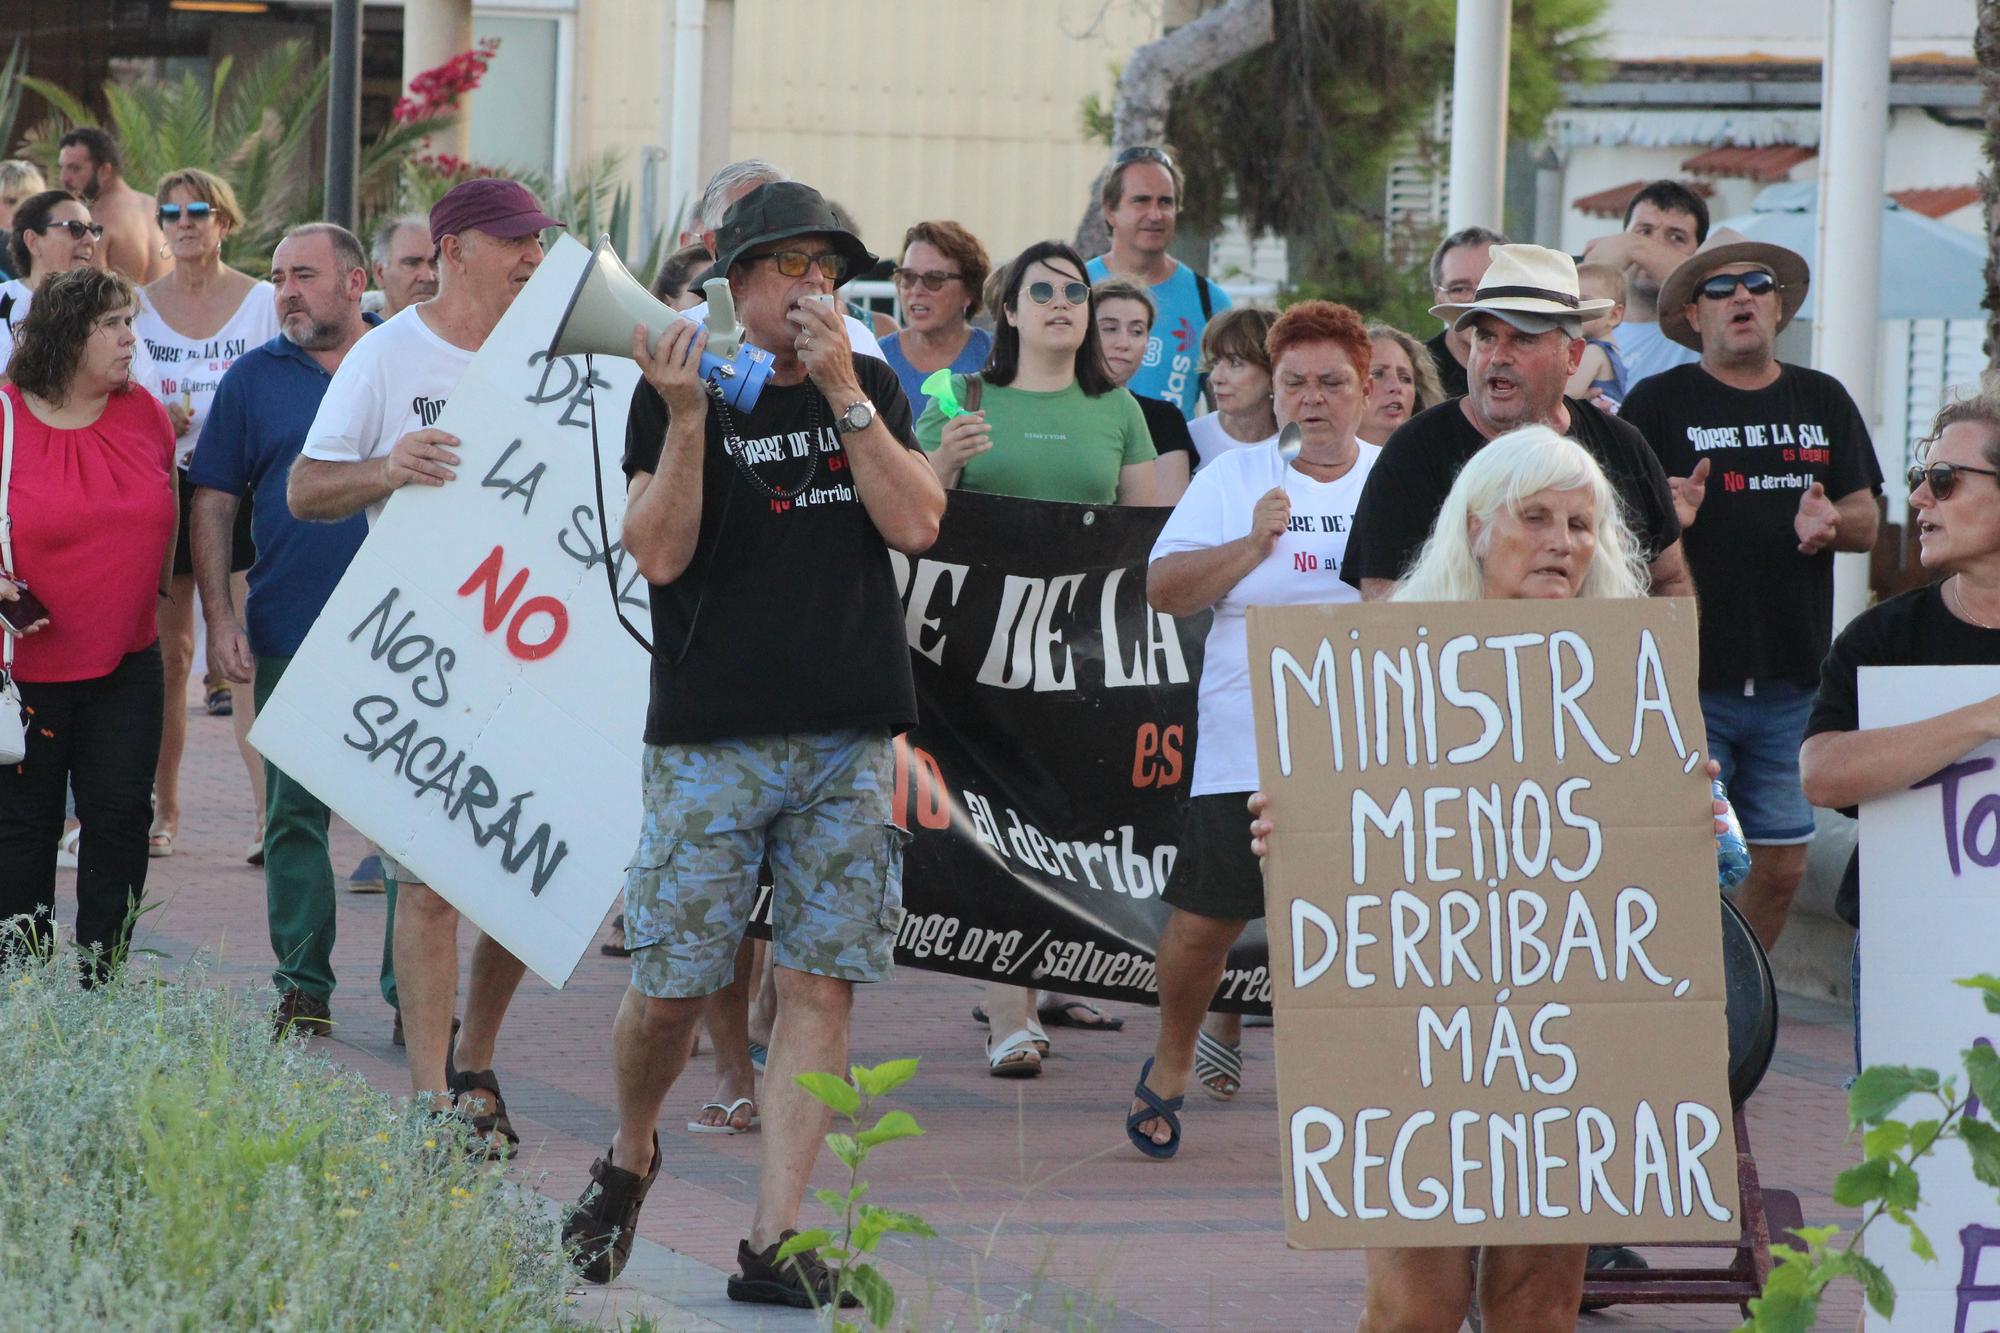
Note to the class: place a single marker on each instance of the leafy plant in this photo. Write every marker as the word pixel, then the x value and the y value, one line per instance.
pixel 1886 1183
pixel 169 1166
pixel 862 1224
pixel 10 92
pixel 251 127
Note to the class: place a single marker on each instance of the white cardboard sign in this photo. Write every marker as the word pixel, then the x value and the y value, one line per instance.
pixel 467 697
pixel 1930 875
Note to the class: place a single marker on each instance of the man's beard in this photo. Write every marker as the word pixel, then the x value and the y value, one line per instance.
pixel 316 336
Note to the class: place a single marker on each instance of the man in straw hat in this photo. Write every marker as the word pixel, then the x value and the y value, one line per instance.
pixel 1773 472
pixel 1525 323
pixel 780 674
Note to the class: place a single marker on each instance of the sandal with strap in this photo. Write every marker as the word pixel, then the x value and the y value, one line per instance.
pixel 598 1235
pixel 1156 1108
pixel 1016 1057
pixel 1079 1014
pixel 1218 1066
pixel 488 1114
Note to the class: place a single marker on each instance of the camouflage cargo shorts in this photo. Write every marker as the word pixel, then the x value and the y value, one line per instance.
pixel 820 804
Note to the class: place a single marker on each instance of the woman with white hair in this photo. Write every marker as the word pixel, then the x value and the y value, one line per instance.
pixel 1531 515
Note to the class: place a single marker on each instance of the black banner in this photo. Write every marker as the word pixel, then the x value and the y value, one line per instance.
pixel 1046 782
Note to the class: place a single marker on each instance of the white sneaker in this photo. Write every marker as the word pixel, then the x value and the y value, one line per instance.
pixel 66 849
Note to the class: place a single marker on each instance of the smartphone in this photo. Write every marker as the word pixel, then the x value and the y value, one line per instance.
pixel 17 615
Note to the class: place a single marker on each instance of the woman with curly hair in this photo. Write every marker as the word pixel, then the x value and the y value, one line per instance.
pixel 197 320
pixel 90 495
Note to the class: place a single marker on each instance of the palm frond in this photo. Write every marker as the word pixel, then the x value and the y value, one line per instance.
pixel 10 91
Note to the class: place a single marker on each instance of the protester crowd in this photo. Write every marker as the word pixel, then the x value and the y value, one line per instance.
pixel 184 435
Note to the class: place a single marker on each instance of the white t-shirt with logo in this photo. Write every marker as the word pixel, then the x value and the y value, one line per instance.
pixel 1302 569
pixel 188 370
pixel 395 380
pixel 16 297
pixel 1211 441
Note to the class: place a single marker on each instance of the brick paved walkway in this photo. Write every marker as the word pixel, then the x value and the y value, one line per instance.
pixel 1044 1213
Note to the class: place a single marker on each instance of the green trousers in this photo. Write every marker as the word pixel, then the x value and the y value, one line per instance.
pixel 298 871
pixel 298 875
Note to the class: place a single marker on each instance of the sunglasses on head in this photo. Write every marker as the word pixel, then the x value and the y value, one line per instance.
pixel 77 230
pixel 1942 477
pixel 1722 286
pixel 932 281
pixel 171 213
pixel 1143 153
pixel 794 263
pixel 1041 293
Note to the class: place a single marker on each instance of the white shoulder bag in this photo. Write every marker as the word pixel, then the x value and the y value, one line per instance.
pixel 13 723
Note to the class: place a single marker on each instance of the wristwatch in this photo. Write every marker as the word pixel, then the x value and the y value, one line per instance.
pixel 855 416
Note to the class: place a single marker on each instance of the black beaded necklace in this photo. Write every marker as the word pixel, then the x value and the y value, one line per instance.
pixel 733 445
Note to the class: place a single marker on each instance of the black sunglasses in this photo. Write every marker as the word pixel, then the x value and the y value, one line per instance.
pixel 1041 293
pixel 794 263
pixel 171 213
pixel 1942 477
pixel 1144 153
pixel 77 230
pixel 932 281
pixel 1723 285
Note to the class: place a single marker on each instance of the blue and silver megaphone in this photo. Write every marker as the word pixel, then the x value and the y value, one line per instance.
pixel 608 302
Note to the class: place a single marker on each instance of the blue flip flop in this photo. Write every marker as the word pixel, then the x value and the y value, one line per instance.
pixel 1157 1108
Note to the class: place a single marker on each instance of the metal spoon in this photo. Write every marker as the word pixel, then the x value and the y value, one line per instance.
pixel 1290 440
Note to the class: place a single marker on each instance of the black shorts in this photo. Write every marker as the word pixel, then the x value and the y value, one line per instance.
pixel 244 550
pixel 1216 874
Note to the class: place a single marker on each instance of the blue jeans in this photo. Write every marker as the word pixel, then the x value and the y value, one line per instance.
pixel 1756 739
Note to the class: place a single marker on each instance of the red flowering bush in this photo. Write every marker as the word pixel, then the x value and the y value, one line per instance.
pixel 440 89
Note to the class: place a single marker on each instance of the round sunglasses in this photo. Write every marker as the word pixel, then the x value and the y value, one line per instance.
pixel 1041 293
pixel 1942 477
pixel 1722 286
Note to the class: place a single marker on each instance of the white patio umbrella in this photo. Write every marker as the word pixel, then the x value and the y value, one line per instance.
pixel 1929 270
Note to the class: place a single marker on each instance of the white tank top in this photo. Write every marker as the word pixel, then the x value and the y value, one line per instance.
pixel 187 370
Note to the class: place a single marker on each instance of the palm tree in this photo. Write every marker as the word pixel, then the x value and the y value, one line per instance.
pixel 251 129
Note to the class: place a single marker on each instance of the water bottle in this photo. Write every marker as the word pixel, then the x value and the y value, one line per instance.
pixel 1732 854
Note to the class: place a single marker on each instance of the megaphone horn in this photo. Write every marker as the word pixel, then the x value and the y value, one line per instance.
pixel 609 302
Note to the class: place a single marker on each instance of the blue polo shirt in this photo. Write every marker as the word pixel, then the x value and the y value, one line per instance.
pixel 255 428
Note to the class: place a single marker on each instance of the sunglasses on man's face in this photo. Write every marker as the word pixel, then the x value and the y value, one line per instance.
pixel 794 263
pixel 1722 286
pixel 1041 293
pixel 1942 477
pixel 931 281
pixel 77 230
pixel 171 213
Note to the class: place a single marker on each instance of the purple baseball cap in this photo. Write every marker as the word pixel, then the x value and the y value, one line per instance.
pixel 491 204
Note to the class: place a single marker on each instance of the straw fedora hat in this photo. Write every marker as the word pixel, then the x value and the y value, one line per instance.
pixel 1526 280
pixel 1723 247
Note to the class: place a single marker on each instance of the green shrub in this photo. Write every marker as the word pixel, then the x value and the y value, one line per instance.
pixel 164 1165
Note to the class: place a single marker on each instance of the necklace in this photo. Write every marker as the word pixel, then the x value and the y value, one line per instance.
pixel 734 445
pixel 1958 595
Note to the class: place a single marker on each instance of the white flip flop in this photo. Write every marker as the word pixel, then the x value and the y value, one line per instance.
pixel 1002 1058
pixel 729 1111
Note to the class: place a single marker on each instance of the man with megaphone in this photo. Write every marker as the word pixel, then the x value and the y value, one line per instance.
pixel 780 675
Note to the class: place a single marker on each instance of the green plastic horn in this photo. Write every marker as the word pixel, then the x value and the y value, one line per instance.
pixel 939 386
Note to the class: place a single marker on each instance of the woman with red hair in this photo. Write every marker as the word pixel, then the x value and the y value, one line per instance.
pixel 1234 541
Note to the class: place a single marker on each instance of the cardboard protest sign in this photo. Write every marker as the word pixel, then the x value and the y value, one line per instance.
pixel 1493 924
pixel 467 698
pixel 1930 913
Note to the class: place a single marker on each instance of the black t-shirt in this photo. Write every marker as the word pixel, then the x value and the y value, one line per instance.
pixel 1167 426
pixel 1451 375
pixel 1766 610
pixel 792 605
pixel 1419 462
pixel 1912 629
